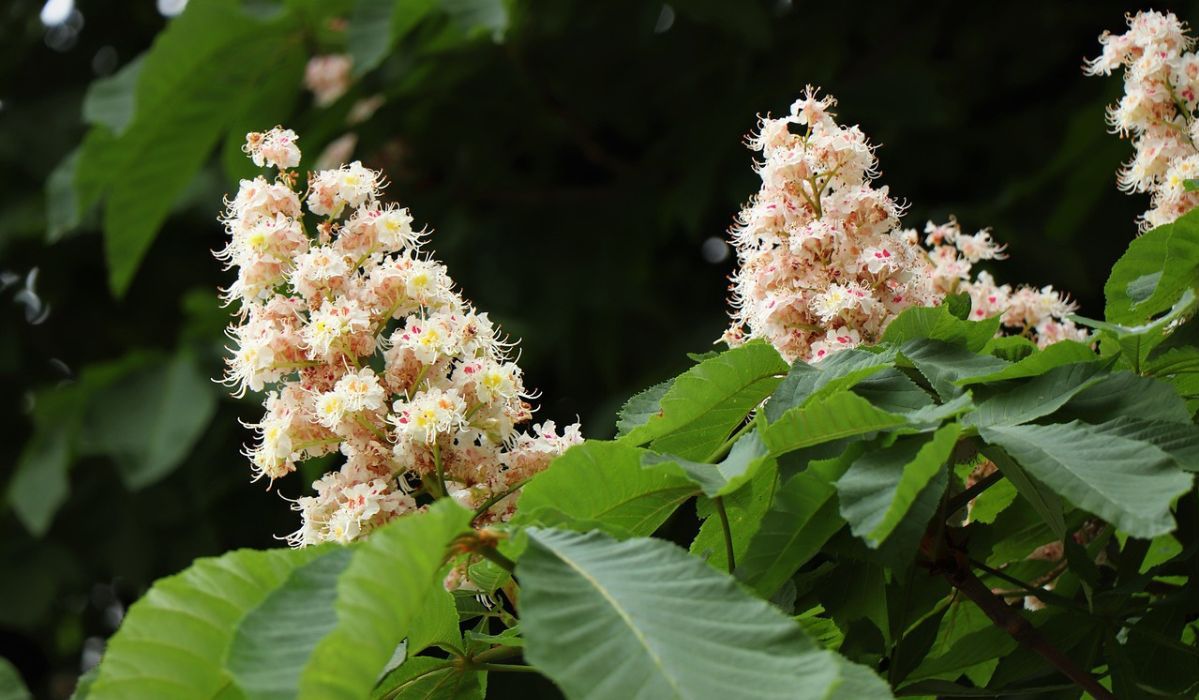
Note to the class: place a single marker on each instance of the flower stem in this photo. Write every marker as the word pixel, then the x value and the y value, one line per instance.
pixel 494 556
pixel 374 429
pixel 440 469
pixel 497 497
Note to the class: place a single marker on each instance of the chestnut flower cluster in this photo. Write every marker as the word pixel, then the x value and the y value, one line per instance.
pixel 824 265
pixel 1157 111
pixel 362 345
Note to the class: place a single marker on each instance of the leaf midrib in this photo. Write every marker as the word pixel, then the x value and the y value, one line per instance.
pixel 624 615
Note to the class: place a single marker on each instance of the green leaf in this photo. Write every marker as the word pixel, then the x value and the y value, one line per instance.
pixel 379 596
pixel 945 365
pixel 11 685
pixel 428 678
pixel 1044 501
pixel 1126 482
pixel 1064 352
pixel 824 420
pixel 1021 402
pixel 965 637
pixel 646 620
pixel 604 482
pixel 272 103
pixel 1123 394
pixel 745 509
pixel 1155 270
pixel 185 100
pixel 840 371
pixel 1179 440
pixel 882 485
pixel 83 686
pixel 63 214
pixel 175 640
pixel 892 390
pixel 801 518
pixel 478 17
pixel 487 575
pixel 510 637
pixel 744 460
pixel 640 407
pixel 1179 367
pixel 436 624
pixel 39 485
pixel 110 101
pixel 937 323
pixel 376 26
pixel 1016 533
pixel 823 630
pixel 274 641
pixel 1137 343
pixel 1012 348
pixel 705 403
pixel 149 421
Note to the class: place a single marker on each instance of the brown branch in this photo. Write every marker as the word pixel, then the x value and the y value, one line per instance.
pixel 956 570
pixel 963 499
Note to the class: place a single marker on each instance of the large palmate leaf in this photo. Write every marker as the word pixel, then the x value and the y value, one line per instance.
pixel 604 482
pixel 1125 394
pixel 824 420
pixel 176 639
pixel 743 461
pixel 1127 482
pixel 1064 352
pixel 641 407
pixel 184 101
pixel 880 488
pixel 274 641
pixel 641 619
pixel 1179 440
pixel 379 596
pixel 703 405
pixel 944 365
pixel 840 371
pixel 1021 402
pixel 938 323
pixel 800 520
pixel 892 390
pixel 1155 270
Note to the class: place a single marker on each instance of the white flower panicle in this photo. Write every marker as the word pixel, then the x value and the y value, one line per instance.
pixel 1157 111
pixel 824 265
pixel 363 346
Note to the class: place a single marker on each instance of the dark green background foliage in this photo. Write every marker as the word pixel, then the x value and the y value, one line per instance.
pixel 573 157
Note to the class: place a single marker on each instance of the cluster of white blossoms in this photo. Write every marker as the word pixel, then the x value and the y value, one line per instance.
pixel 362 345
pixel 824 265
pixel 1157 111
